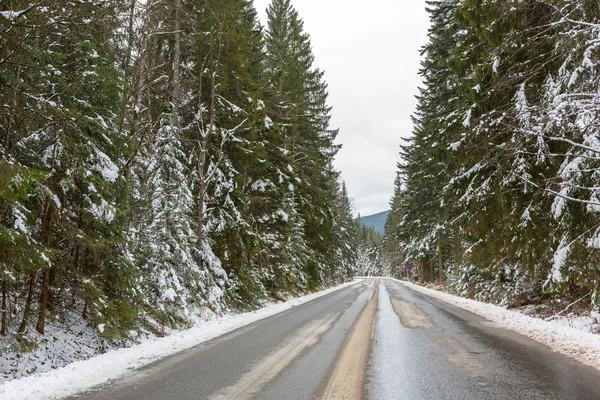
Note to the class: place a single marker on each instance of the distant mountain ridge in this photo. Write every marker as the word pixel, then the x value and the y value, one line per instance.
pixel 377 221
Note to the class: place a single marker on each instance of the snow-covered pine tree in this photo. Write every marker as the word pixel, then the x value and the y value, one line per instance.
pixel 22 253
pixel 368 251
pixel 559 115
pixel 503 209
pixel 420 211
pixel 66 89
pixel 116 115
pixel 347 252
pixel 172 278
pixel 508 97
pixel 297 100
pixel 393 250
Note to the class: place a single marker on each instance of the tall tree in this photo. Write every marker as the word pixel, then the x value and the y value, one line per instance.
pixel 497 162
pixel 297 97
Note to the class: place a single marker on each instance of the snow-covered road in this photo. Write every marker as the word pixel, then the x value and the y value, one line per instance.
pixel 377 339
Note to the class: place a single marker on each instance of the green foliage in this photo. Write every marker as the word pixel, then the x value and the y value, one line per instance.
pixel 481 197
pixel 296 99
pixel 161 159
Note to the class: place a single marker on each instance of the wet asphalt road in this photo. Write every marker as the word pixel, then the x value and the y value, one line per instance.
pixel 200 372
pixel 421 348
pixel 496 363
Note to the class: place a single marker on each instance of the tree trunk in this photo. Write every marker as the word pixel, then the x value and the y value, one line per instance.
pixel 423 269
pixel 203 177
pixel 200 218
pixel 176 62
pixel 43 302
pixel 51 294
pixel 455 251
pixel 4 310
pixel 440 263
pixel 125 63
pixel 11 118
pixel 27 309
pixel 46 227
pixel 431 268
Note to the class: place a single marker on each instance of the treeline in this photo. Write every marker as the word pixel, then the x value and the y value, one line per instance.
pixel 368 246
pixel 498 189
pixel 160 158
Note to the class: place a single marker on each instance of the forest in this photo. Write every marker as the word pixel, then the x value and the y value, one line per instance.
pixel 161 159
pixel 498 188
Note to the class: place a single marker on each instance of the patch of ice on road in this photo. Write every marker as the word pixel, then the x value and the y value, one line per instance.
pixel 568 340
pixel 82 375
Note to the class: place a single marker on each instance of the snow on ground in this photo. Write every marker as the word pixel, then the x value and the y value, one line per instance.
pixel 68 338
pixel 560 334
pixel 81 375
pixel 582 321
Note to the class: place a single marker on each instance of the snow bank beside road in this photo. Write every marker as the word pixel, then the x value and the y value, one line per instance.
pixel 82 375
pixel 575 343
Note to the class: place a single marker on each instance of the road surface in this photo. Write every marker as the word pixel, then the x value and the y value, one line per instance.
pixel 372 340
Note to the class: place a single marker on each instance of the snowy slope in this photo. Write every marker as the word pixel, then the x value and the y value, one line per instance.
pixel 82 375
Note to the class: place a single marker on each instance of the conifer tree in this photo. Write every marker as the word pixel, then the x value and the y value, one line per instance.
pixel 496 151
pixel 297 97
pixel 156 160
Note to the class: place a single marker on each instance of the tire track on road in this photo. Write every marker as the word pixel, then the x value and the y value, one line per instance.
pixel 266 370
pixel 349 376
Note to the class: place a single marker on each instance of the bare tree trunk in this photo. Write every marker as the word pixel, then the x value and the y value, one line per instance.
pixel 440 263
pixel 202 166
pixel 204 176
pixel 133 99
pixel 200 212
pixel 46 227
pixel 125 62
pixel 431 265
pixel 52 294
pixel 176 61
pixel 4 310
pixel 130 35
pixel 27 309
pixel 43 301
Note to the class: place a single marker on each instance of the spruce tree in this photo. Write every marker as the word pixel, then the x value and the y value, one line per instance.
pixel 496 151
pixel 297 97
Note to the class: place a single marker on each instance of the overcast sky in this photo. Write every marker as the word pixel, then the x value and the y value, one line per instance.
pixel 370 53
